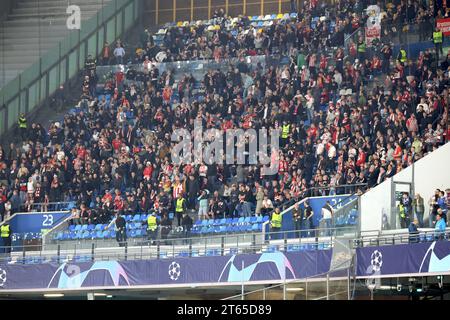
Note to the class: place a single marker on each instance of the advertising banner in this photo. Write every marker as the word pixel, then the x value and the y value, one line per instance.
pixel 372 33
pixel 404 259
pixel 444 26
pixel 232 268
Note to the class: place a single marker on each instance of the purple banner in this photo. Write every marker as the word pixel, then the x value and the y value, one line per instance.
pixel 405 258
pixel 236 268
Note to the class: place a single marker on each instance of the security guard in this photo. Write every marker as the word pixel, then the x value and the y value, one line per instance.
pixel 180 208
pixel 152 227
pixel 275 223
pixel 402 56
pixel 361 49
pixel 5 233
pixel 437 40
pixel 285 132
pixel 22 122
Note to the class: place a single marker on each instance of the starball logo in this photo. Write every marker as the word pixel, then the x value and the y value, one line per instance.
pixel 233 146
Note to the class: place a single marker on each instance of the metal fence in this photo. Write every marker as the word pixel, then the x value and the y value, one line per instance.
pixel 335 284
pixel 132 249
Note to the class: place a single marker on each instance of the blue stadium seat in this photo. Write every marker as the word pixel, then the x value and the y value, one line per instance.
pixel 253 219
pixel 247 219
pixel 198 223
pixel 235 220
pixel 72 227
pixel 99 234
pixel 249 227
pixel 259 219
pixel 266 218
pixel 171 215
pixel 77 227
pixel 128 217
pixel 138 233
pixel 91 227
pixel 137 217
pixel 144 217
pixel 204 230
pixel 84 227
pixel 223 229
pixel 241 220
pixel 132 233
pixel 210 222
pixel 255 227
pixel 216 222
pixel 229 220
pixel 223 221
pixel 105 234
pixel 204 222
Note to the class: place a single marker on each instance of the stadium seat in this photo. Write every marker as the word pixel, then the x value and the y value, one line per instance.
pixel 223 221
pixel 72 227
pixel 216 222
pixel 241 220
pixel 229 221
pixel 266 218
pixel 255 227
pixel 235 220
pixel 247 220
pixel 91 227
pixel 128 218
pixel 99 235
pixel 99 227
pixel 144 217
pixel 137 217
pixel 198 223
pixel 77 227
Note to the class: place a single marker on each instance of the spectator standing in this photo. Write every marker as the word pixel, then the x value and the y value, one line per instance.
pixel 437 40
pixel 106 54
pixel 308 213
pixel 121 230
pixel 413 231
pixel 407 205
pixel 119 53
pixel 259 201
pixel 327 216
pixel 419 208
pixel 439 229
pixel 297 217
pixel 187 224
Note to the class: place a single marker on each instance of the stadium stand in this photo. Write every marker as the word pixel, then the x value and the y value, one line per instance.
pixel 111 152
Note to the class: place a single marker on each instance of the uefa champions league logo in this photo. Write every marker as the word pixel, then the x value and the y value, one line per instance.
pixel 2 277
pixel 174 271
pixel 376 260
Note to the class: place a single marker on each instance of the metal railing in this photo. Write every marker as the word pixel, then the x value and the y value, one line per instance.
pixel 372 238
pixel 133 248
pixel 335 283
pixel 40 80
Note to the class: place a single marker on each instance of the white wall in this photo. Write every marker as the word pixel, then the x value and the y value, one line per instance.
pixel 430 173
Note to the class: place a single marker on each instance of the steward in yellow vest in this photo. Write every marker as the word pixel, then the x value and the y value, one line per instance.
pixel 5 233
pixel 180 208
pixel 152 227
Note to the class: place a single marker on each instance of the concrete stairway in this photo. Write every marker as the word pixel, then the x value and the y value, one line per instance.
pixel 33 28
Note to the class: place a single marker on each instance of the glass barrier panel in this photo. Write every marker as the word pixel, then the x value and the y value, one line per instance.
pixel 109 10
pixel 29 75
pixel 88 26
pixel 11 89
pixel 62 71
pixel 65 46
pixel 82 56
pixel 74 37
pixel 111 30
pixel 33 95
pixel 119 23
pixel 53 77
pixel 23 101
pixel 3 125
pixel 129 16
pixel 73 63
pixel 13 111
pixel 92 45
pixel 101 39
pixel 43 88
pixel 50 58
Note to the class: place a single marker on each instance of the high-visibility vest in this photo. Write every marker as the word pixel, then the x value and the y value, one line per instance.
pixel 22 123
pixel 179 207
pixel 151 223
pixel 4 231
pixel 403 55
pixel 285 131
pixel 437 37
pixel 362 47
pixel 276 220
pixel 401 210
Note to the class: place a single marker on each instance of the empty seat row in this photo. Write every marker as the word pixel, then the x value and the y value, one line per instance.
pixel 232 221
pixel 203 230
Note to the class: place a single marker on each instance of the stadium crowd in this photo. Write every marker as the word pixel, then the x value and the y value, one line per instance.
pixel 337 127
